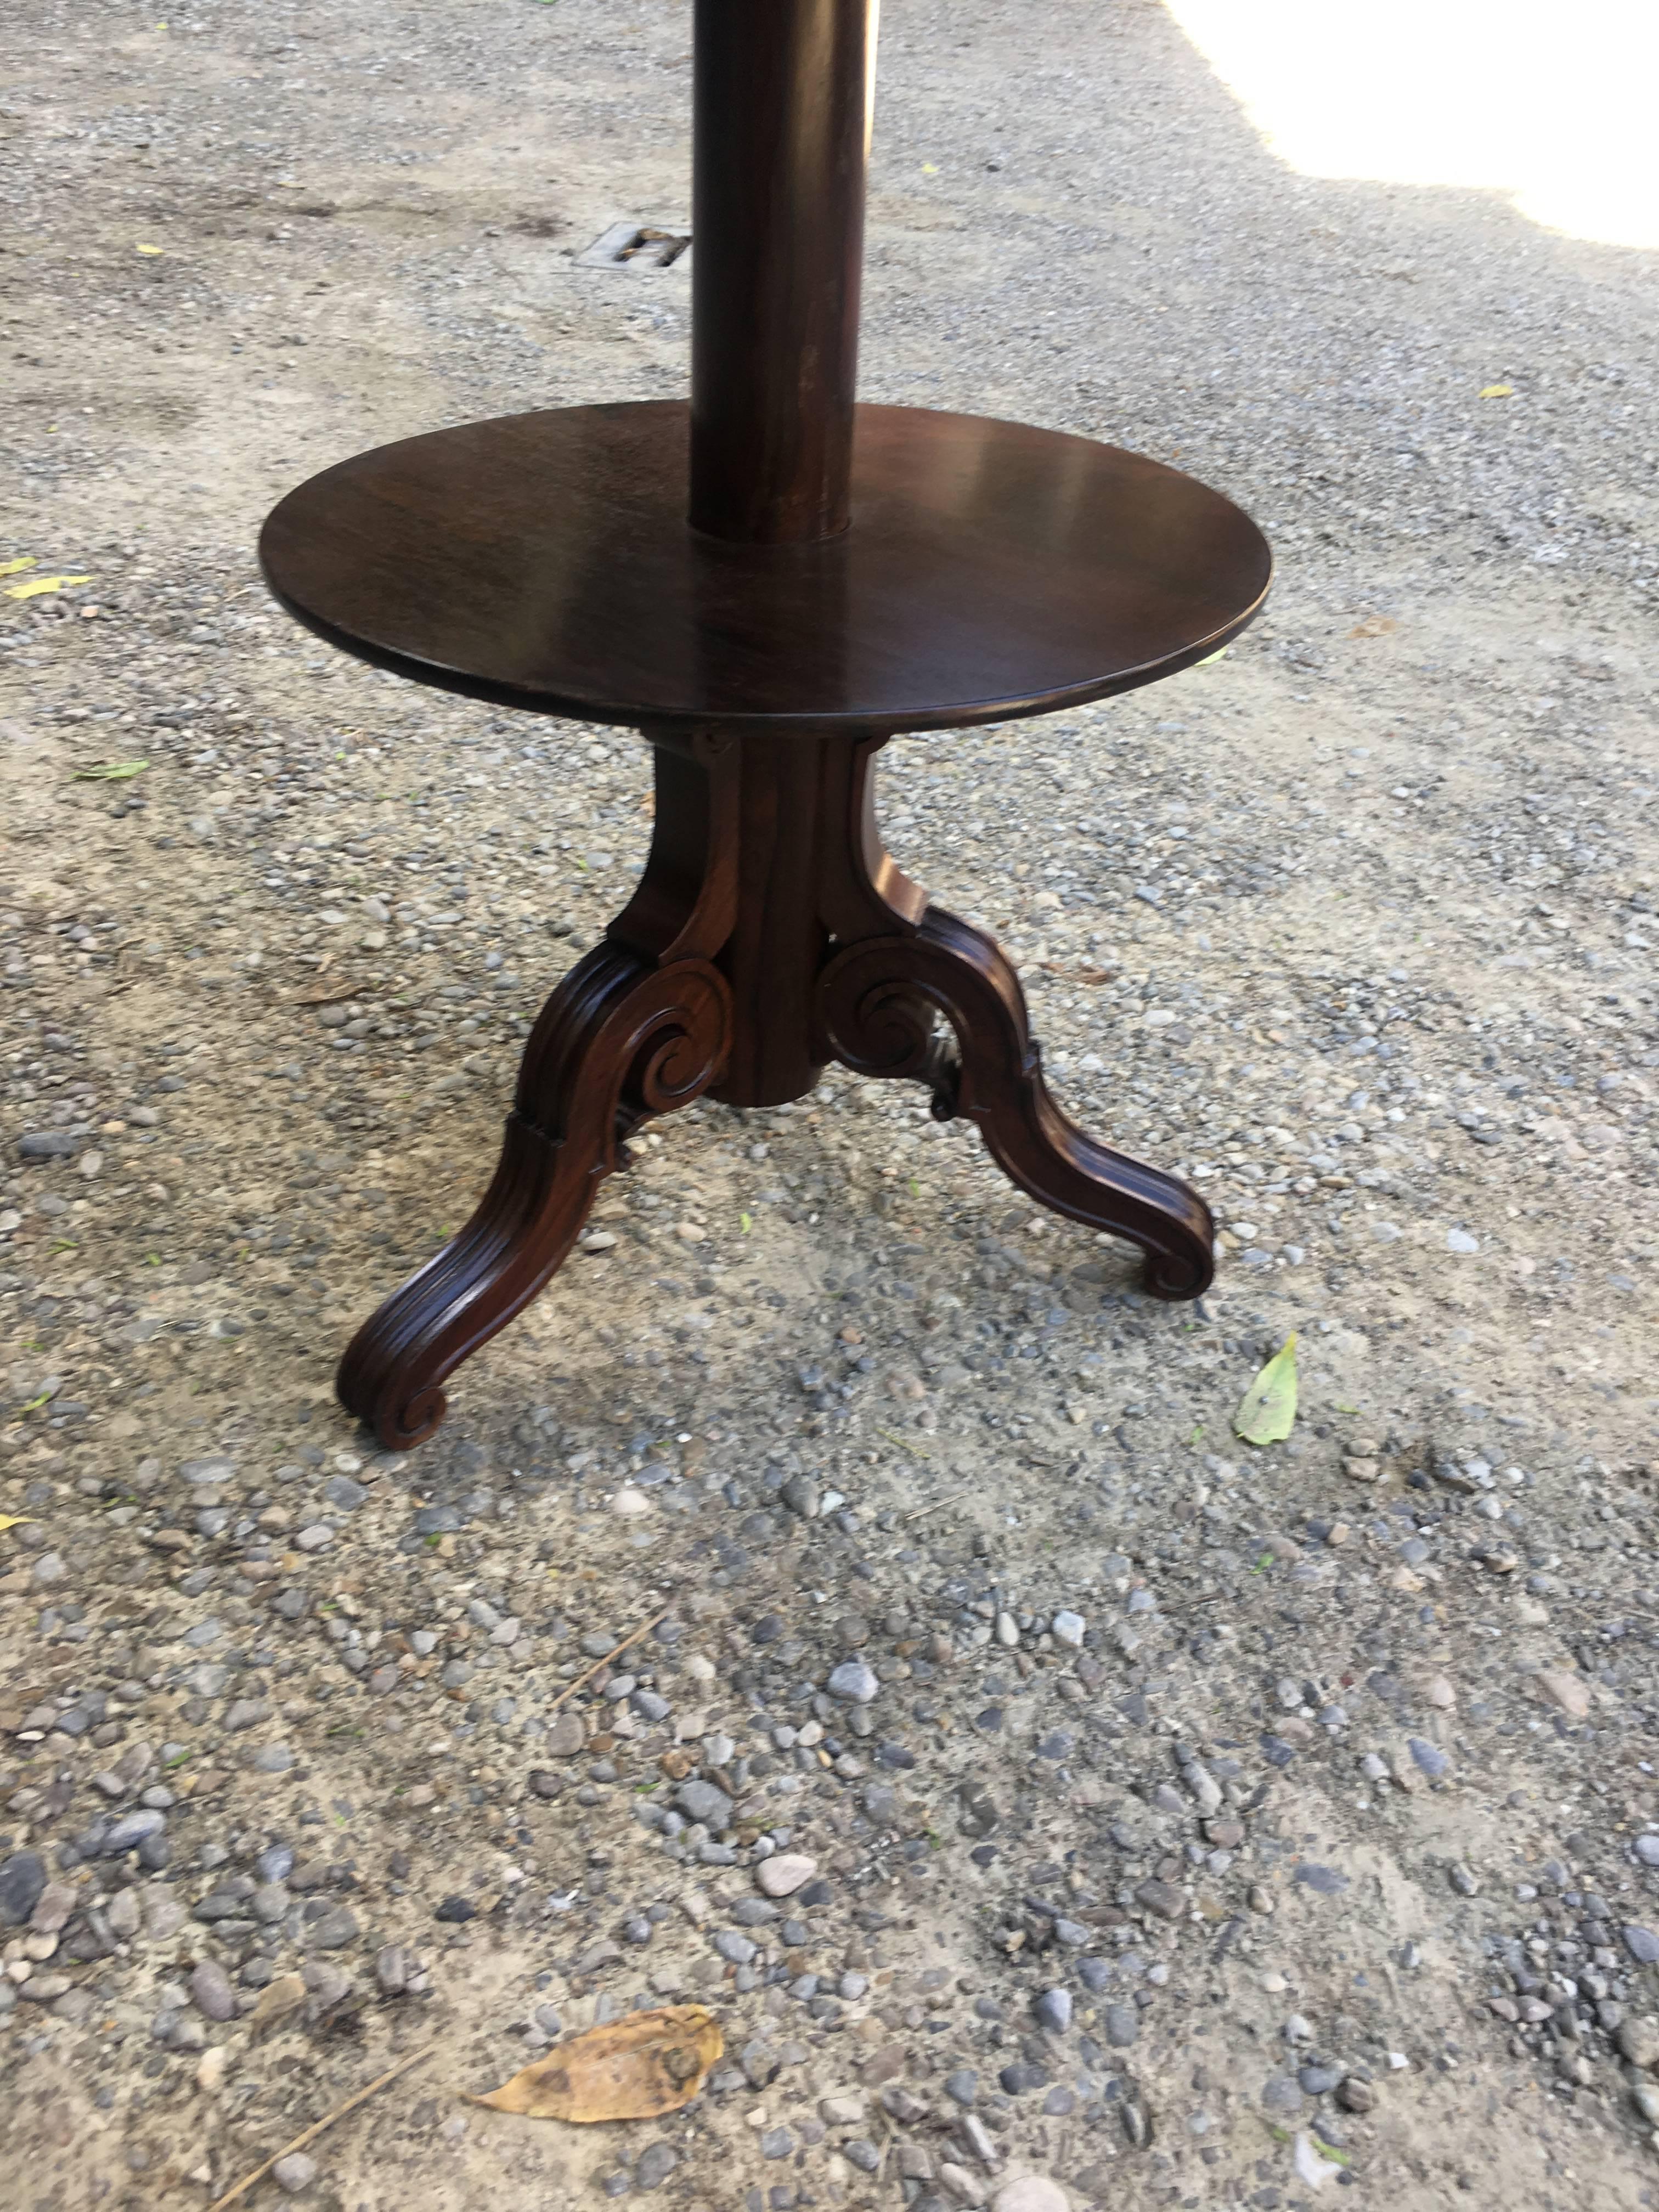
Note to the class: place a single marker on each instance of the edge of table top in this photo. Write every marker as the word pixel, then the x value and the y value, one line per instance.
pixel 979 549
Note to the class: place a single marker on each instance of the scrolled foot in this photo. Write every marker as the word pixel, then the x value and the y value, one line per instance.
pixel 878 1002
pixel 620 1040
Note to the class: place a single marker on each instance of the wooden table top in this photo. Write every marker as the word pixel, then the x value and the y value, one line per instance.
pixel 544 561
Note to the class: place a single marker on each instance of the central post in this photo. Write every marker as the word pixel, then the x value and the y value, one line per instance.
pixel 781 105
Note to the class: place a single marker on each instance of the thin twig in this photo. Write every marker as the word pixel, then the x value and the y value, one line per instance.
pixel 934 1507
pixel 582 1681
pixel 310 2135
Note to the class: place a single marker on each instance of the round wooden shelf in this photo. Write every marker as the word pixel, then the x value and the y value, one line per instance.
pixel 544 561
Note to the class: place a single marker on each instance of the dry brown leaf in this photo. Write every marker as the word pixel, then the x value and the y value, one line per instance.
pixel 1374 626
pixel 633 2069
pixel 323 994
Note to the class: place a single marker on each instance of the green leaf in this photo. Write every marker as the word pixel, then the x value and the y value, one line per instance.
pixel 1267 1414
pixel 745 1223
pixel 109 772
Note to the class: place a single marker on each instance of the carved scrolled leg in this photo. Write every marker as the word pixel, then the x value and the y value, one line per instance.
pixel 620 1039
pixel 877 1003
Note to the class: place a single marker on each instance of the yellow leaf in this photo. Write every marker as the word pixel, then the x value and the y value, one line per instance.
pixel 12 1520
pixel 1498 392
pixel 13 568
pixel 633 2068
pixel 1211 658
pixel 1268 1412
pixel 152 249
pixel 37 585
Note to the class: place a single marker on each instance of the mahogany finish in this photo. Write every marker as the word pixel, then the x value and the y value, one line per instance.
pixel 781 100
pixel 770 933
pixel 769 584
pixel 544 561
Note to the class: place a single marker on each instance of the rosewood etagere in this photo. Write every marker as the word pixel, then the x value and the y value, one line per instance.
pixel 768 583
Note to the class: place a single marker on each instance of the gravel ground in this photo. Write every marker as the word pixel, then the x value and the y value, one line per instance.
pixel 1059 1803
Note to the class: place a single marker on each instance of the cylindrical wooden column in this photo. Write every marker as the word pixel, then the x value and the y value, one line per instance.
pixel 782 97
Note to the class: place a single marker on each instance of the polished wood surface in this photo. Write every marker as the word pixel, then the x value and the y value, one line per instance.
pixel 781 138
pixel 770 933
pixel 544 561
pixel 769 582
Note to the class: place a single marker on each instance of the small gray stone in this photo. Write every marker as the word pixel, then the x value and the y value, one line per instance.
pixel 130 1831
pixel 801 1495
pixel 854 1682
pixel 1642 1944
pixel 1122 2025
pixel 734 1947
pixel 1432 1760
pixel 1318 2081
pixel 22 1878
pixel 777 2142
pixel 210 1992
pixel 1067 1628
pixel 332 1931
pixel 701 1800
pixel 654 2165
pixel 566 1737
pixel 784 1873
pixel 1647 1850
pixel 295 2172
pixel 962 2086
pixel 393 1968
pixel 1052 2010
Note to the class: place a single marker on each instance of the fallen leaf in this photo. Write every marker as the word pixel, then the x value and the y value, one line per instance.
pixel 15 568
pixel 1498 392
pixel 1374 626
pixel 1211 658
pixel 12 1520
pixel 1268 1412
pixel 745 1223
pixel 633 2068
pixel 278 2001
pixel 109 772
pixel 323 994
pixel 37 585
pixel 151 249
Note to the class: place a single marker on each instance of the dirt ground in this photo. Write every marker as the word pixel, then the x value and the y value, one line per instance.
pixel 1178 1823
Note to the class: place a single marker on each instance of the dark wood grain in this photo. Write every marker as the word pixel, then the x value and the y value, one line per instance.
pixel 782 137
pixel 770 932
pixel 544 561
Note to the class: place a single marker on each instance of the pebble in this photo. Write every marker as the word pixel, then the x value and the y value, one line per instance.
pixel 854 1682
pixel 1031 2192
pixel 294 2172
pixel 22 1878
pixel 701 1802
pixel 1643 1945
pixel 210 1992
pixel 1569 1694
pixel 1639 2041
pixel 1067 1628
pixel 1122 2025
pixel 654 2164
pixel 784 1873
pixel 1051 2009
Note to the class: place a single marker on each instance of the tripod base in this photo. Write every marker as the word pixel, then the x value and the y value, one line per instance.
pixel 769 933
